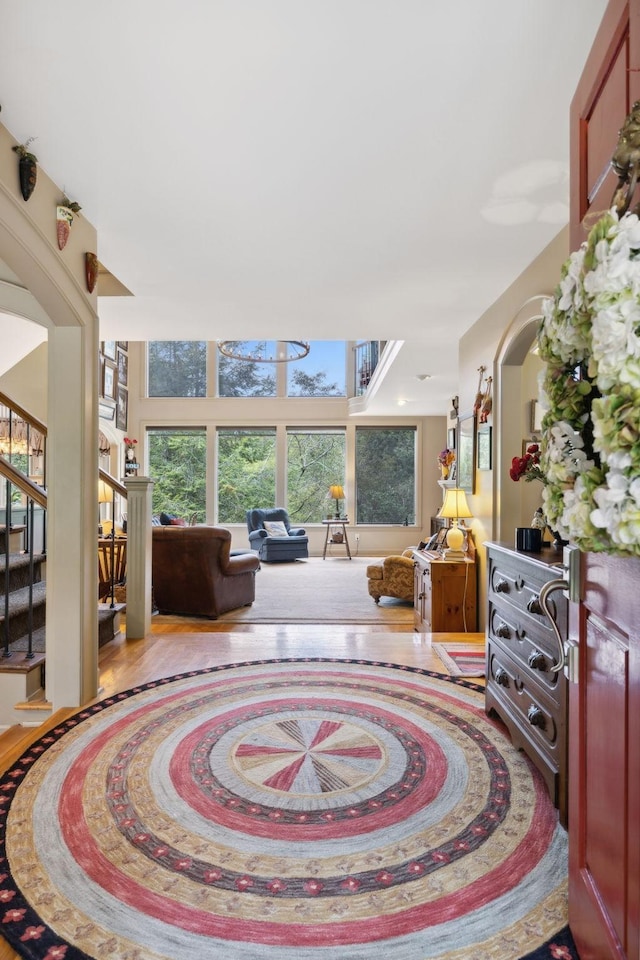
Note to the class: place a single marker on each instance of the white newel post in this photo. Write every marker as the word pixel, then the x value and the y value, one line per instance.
pixel 139 491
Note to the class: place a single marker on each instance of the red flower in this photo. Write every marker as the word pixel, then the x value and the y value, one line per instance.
pixel 527 466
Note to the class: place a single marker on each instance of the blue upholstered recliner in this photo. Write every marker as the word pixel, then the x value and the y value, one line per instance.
pixel 273 538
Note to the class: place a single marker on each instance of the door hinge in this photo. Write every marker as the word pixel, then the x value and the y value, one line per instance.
pixel 572 662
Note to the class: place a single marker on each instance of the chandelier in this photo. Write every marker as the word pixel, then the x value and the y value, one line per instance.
pixel 286 350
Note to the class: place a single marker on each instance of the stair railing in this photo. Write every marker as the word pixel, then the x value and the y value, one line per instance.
pixel 116 488
pixel 34 494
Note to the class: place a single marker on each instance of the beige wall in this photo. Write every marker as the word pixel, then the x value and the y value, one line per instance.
pixel 484 343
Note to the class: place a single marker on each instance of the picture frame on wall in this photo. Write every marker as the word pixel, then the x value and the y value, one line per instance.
pixel 451 438
pixel 484 447
pixel 109 372
pixel 109 349
pixel 123 368
pixel 535 415
pixel 466 453
pixel 122 408
pixel 123 344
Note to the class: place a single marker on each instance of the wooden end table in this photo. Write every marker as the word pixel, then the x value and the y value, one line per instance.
pixel 343 522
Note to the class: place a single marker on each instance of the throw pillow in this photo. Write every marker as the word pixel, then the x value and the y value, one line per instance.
pixel 275 528
pixel 166 518
pixel 177 522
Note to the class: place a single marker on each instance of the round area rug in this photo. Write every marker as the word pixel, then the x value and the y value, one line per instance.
pixel 282 810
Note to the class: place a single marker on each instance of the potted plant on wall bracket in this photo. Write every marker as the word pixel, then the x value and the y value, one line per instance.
pixel 65 212
pixel 27 168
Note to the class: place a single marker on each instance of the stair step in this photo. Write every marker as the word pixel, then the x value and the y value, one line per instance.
pixel 19 611
pixel 19 571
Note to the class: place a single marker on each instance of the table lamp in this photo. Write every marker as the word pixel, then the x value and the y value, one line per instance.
pixel 455 507
pixel 336 492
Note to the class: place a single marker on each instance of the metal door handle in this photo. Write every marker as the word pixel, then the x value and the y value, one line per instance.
pixel 550 587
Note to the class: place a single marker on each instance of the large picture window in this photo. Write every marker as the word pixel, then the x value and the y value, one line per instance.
pixel 385 474
pixel 315 460
pixel 177 463
pixel 246 471
pixel 177 368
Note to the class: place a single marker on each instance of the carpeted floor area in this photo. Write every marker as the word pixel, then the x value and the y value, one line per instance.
pixel 318 591
pixel 302 809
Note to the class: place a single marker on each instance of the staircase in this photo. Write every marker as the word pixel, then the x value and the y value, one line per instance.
pixel 22 671
pixel 23 564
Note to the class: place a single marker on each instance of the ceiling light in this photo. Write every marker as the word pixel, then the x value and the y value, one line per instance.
pixel 247 350
pixel 423 376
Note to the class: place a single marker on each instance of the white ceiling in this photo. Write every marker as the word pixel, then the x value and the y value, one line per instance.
pixel 318 169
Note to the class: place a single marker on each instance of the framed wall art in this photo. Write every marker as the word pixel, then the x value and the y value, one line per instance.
pixel 122 408
pixel 466 453
pixel 483 442
pixel 109 349
pixel 109 379
pixel 123 367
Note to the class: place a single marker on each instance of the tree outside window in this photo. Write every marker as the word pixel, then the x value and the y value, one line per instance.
pixel 247 378
pixel 385 474
pixel 246 471
pixel 322 373
pixel 177 463
pixel 315 460
pixel 177 368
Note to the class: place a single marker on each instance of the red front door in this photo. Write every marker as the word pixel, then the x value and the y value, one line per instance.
pixel 604 762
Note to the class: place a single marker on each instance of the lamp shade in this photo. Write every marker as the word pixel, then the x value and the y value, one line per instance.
pixel 336 492
pixel 455 506
pixel 104 493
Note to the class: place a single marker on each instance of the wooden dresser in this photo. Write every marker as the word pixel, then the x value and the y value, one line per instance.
pixel 444 593
pixel 521 650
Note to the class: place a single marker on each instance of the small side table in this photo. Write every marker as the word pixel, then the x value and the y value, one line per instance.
pixel 345 540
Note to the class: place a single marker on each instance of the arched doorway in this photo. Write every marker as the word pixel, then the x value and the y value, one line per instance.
pixel 516 371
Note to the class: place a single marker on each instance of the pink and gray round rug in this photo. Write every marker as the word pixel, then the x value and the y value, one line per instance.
pixel 283 810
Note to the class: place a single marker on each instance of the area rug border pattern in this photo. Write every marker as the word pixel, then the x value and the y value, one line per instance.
pixel 14 905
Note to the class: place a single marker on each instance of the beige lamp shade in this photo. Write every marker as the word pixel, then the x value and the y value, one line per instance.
pixel 104 493
pixel 455 506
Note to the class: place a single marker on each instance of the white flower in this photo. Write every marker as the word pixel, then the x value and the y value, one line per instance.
pixel 592 474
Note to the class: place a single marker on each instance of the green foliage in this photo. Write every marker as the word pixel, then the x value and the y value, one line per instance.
pixel 177 368
pixel 385 471
pixel 246 472
pixel 315 460
pixel 312 385
pixel 177 463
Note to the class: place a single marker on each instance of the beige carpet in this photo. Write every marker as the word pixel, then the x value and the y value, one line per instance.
pixel 307 591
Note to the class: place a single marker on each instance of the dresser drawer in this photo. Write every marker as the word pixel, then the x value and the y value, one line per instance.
pixel 514 590
pixel 531 647
pixel 526 701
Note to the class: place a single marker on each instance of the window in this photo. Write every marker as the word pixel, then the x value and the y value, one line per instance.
pixel 246 471
pixel 177 462
pixel 322 373
pixel 315 460
pixel 246 378
pixel 385 474
pixel 177 368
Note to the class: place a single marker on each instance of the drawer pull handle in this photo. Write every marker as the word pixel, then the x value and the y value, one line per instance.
pixel 537 660
pixel 502 586
pixel 535 716
pixel 503 630
pixel 533 605
pixel 502 677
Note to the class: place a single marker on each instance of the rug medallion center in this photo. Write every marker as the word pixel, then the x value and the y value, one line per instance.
pixel 308 756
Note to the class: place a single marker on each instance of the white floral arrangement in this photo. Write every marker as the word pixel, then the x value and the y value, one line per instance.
pixel 590 341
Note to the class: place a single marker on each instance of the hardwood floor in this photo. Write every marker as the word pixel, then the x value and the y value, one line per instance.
pixel 176 645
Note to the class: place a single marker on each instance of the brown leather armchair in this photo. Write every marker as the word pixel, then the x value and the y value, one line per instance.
pixel 194 574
